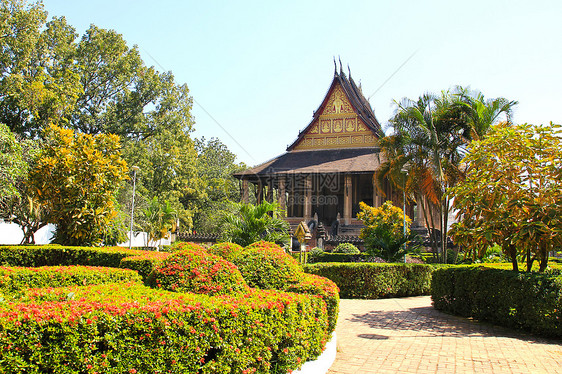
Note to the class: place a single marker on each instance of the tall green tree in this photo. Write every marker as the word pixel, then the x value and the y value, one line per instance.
pixel 76 177
pixel 511 193
pixel 18 203
pixel 429 139
pixel 12 164
pixel 38 76
pixel 215 166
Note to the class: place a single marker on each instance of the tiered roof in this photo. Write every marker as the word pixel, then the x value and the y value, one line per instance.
pixel 342 137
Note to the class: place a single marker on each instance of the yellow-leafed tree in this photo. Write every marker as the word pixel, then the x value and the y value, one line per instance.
pixel 76 177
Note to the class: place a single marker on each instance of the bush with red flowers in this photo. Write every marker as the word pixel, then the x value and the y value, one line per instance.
pixel 228 251
pixel 266 265
pixel 13 280
pixel 130 328
pixel 192 269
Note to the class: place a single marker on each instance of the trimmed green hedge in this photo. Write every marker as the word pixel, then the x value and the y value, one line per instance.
pixel 339 257
pixel 373 280
pixel 13 280
pixel 134 329
pixel 57 255
pixel 529 301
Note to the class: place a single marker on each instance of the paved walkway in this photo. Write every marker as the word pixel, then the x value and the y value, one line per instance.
pixel 407 335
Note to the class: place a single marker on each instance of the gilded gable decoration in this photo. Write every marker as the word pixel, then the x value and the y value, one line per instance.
pixel 344 120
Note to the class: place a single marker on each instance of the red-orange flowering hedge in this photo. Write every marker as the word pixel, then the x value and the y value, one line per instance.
pixel 228 251
pixel 129 328
pixel 266 265
pixel 325 289
pixel 15 279
pixel 144 263
pixel 192 269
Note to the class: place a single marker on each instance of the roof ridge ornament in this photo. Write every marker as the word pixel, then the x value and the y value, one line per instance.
pixel 335 67
pixel 341 68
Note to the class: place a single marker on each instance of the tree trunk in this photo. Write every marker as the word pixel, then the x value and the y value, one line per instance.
pixel 513 255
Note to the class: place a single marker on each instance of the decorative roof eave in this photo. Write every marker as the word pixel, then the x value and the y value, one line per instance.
pixel 329 161
pixel 357 100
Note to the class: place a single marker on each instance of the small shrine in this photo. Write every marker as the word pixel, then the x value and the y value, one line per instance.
pixel 329 168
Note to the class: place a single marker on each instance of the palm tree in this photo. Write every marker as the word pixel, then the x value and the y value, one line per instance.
pixel 159 220
pixel 430 137
pixel 480 113
pixel 252 223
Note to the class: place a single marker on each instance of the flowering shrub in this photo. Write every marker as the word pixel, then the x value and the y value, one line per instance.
pixel 346 248
pixel 266 265
pixel 192 269
pixel 129 328
pixel 373 280
pixel 228 251
pixel 15 279
pixel 144 263
pixel 329 292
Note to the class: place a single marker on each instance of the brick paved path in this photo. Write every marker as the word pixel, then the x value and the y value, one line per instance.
pixel 407 335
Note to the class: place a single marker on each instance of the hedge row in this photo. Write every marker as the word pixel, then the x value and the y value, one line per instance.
pixel 57 255
pixel 529 301
pixel 339 257
pixel 134 329
pixel 14 280
pixel 373 280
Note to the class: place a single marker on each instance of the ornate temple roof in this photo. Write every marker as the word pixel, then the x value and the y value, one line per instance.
pixel 343 137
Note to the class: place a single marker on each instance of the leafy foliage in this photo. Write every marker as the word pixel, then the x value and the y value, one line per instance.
pixel 215 166
pixel 384 230
pixel 76 177
pixel 511 193
pixel 346 248
pixel 252 223
pixel 266 265
pixel 529 301
pixel 12 165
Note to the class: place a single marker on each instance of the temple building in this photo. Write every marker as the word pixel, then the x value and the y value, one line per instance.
pixel 330 167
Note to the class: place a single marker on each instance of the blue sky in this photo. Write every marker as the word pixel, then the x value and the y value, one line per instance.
pixel 261 68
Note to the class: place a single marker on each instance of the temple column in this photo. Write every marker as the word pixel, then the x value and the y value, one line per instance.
pixel 376 192
pixel 307 208
pixel 347 200
pixel 245 191
pixel 269 196
pixel 259 194
pixel 281 199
